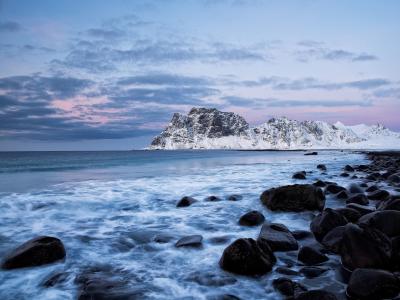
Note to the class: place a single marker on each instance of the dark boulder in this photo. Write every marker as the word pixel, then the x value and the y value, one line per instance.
pixel 252 218
pixel 396 253
pixel 333 239
pixel 380 195
pixel 392 204
pixel 311 153
pixel 287 287
pixel 235 197
pixel 186 201
pixel 365 247
pixel 213 198
pixel 342 195
pixel 302 234
pixel 372 188
pixel 316 295
pixel 394 178
pixel 362 209
pixel 190 241
pixel 322 167
pixel 358 199
pixel 278 237
pixel 350 214
pixel 319 183
pixel 344 174
pixel 297 197
pixel 286 271
pixel 299 175
pixel 355 189
pixel 35 252
pixel 387 221
pixel 311 256
pixel 348 168
pixel 334 188
pixel 373 284
pixel 325 222
pixel 312 272
pixel 247 257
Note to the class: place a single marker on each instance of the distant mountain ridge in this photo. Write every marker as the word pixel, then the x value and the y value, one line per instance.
pixel 209 128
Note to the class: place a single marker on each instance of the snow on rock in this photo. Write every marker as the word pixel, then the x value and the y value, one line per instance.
pixel 208 128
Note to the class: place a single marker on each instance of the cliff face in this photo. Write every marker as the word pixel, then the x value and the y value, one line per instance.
pixel 205 128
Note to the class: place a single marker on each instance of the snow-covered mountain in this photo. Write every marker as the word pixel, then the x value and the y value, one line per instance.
pixel 205 128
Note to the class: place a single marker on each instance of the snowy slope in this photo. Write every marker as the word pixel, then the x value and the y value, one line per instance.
pixel 205 128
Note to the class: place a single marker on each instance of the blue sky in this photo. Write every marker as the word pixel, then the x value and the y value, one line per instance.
pixel 109 74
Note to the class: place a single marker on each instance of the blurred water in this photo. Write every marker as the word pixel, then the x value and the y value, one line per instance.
pixel 107 207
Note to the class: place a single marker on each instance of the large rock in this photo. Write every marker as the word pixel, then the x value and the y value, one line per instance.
pixel 333 239
pixel 392 204
pixel 351 214
pixel 362 209
pixel 186 201
pixel 379 195
pixel 365 247
pixel 334 188
pixel 247 257
pixel 193 241
pixel 287 287
pixel 311 256
pixel 252 218
pixel 316 295
pixel 297 197
pixel 387 221
pixel 35 252
pixel 358 199
pixel 325 222
pixel 278 237
pixel 299 175
pixel 373 284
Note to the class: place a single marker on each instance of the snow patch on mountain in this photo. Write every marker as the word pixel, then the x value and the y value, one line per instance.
pixel 209 128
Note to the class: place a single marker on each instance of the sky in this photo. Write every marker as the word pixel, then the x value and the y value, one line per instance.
pixel 108 75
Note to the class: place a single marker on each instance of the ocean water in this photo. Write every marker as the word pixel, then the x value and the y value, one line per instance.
pixel 107 207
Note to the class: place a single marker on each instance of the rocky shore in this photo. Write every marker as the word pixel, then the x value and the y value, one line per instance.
pixel 359 240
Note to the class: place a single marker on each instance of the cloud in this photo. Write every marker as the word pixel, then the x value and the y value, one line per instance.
pixel 281 83
pixel 317 50
pixel 388 93
pixel 10 26
pixel 164 79
pixel 272 102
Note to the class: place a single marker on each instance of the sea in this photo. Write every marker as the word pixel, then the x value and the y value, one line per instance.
pixel 107 208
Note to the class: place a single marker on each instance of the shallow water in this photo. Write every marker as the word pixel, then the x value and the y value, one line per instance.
pixel 107 207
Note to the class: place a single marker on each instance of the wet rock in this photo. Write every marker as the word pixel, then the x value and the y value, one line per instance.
pixel 186 201
pixel 247 257
pixel 278 237
pixel 372 188
pixel 298 197
pixel 334 188
pixel 311 256
pixel 396 253
pixel 373 284
pixel 364 247
pixel 358 199
pixel 235 197
pixel 163 238
pixel 364 185
pixel 219 240
pixel 213 198
pixel 312 272
pixel 321 167
pixel 301 234
pixel 252 218
pixel 316 295
pixel 286 271
pixel 362 209
pixel 387 221
pixel 101 283
pixel 348 168
pixel 35 252
pixel 319 183
pixel 350 214
pixel 333 239
pixel 325 222
pixel 342 195
pixel 190 241
pixel 299 175
pixel 311 153
pixel 55 279
pixel 287 287
pixel 392 204
pixel 355 189
pixel 225 297
pixel 380 195
pixel 344 174
pixel 395 178
pixel 211 279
